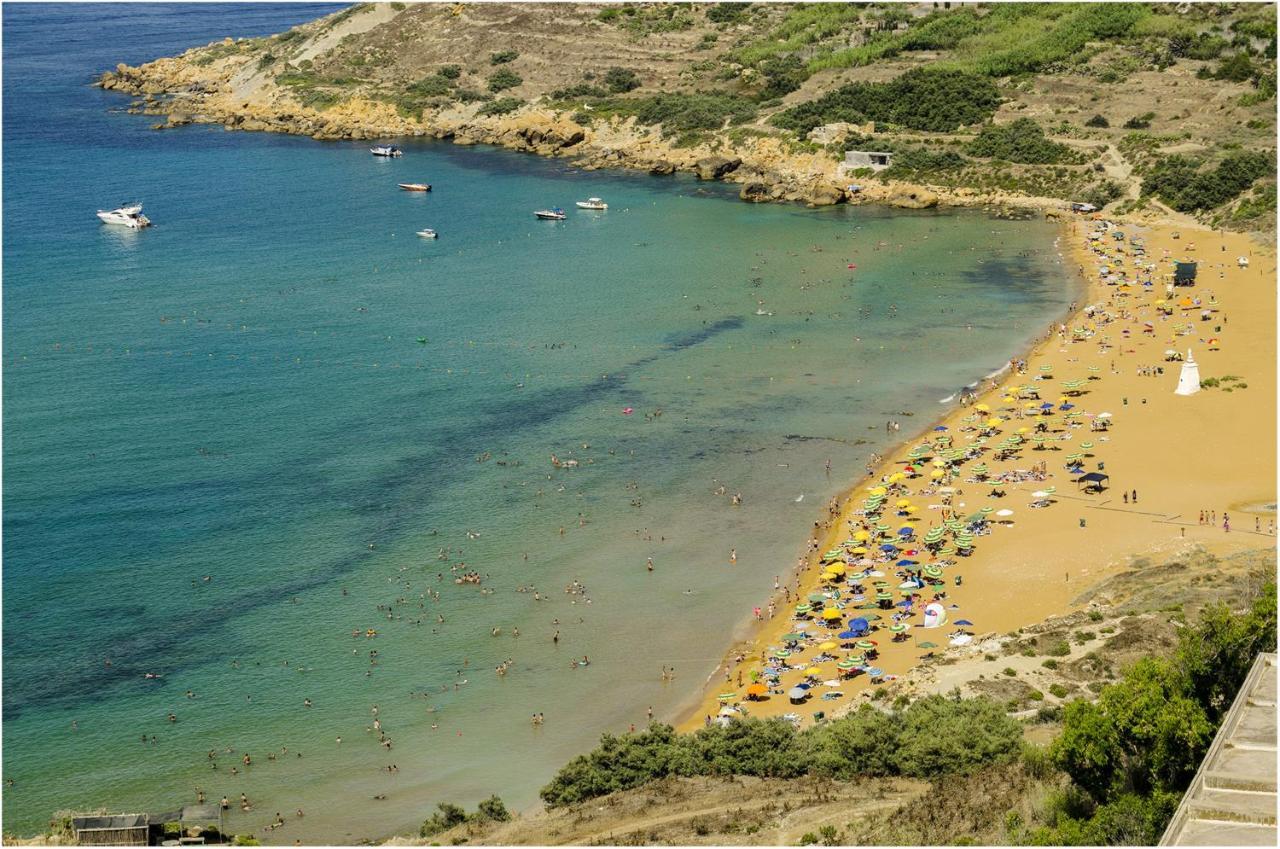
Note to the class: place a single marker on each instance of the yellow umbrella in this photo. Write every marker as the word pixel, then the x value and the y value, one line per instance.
pixel 827 646
pixel 995 421
pixel 831 613
pixel 1024 430
pixel 836 568
pixel 982 408
pixel 878 490
pixel 939 463
pixel 1008 399
pixel 897 477
pixel 936 474
pixel 862 536
pixel 858 550
pixel 912 509
pixel 903 502
pixel 1030 405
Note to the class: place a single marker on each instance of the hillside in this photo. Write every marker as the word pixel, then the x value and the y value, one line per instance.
pixel 1150 110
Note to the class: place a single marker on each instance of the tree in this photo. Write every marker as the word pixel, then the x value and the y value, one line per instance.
pixel 493 809
pixel 445 818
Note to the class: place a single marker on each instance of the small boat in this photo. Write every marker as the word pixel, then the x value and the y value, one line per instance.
pixel 592 203
pixel 385 150
pixel 129 215
pixel 553 214
pixel 428 233
pixel 415 187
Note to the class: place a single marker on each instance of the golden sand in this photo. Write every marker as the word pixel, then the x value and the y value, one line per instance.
pixel 1214 450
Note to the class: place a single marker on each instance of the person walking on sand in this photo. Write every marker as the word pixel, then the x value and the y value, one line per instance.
pixel 1134 495
pixel 1226 523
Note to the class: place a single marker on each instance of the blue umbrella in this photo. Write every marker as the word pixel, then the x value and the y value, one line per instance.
pixel 906 532
pixel 848 635
pixel 940 428
pixel 857 627
pixel 888 546
pixel 874 671
pixel 1046 405
pixel 905 562
pixel 963 622
pixel 1067 407
pixel 903 603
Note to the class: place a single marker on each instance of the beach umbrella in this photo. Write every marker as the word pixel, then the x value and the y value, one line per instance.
pixel 792 638
pixel 798 694
pixel 897 629
pixel 827 646
pixel 724 697
pixel 803 609
pixel 964 622
pixel 757 690
pixel 847 635
pixel 928 645
pixel 883 596
pixel 985 510
pixel 904 502
pixel 888 546
pixel 874 671
pixel 782 654
pixel 1039 493
pixel 982 408
pixel 831 613
pixel 866 644
pixel 1005 512
pixel 861 536
pixel 936 474
pixel 846 665
pixel 837 568
pixel 858 550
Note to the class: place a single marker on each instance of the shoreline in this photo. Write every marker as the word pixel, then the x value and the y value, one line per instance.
pixel 745 651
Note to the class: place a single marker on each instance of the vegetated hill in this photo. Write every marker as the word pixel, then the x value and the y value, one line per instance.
pixel 1130 104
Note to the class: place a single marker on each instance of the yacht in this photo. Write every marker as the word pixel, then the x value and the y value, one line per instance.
pixel 553 214
pixel 385 150
pixel 130 215
pixel 415 187
pixel 592 203
pixel 428 233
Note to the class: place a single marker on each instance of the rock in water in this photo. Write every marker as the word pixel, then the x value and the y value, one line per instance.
pixel 715 167
pixel 754 193
pixel 661 167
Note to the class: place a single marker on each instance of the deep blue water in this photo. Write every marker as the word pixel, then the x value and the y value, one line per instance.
pixel 240 393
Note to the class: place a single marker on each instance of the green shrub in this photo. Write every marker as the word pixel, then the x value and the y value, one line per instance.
pixel 445 818
pixel 503 79
pixel 1060 649
pixel 1036 696
pixel 920 99
pixel 621 80
pixel 450 72
pixel 1049 664
pixel 500 106
pixel 1095 616
pixel 493 809
pixel 1058 690
pixel 1097 121
pixel 1010 671
pixel 1181 183
pixel 727 13
pixel 808 838
pixel 1140 122
pixel 503 56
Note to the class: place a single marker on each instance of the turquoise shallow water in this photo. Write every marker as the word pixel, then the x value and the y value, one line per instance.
pixel 240 393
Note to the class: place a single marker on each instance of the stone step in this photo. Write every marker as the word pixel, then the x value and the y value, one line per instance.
pixel 1234 806
pixel 1235 781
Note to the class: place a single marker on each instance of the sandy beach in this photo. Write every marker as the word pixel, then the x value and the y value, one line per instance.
pixel 1194 461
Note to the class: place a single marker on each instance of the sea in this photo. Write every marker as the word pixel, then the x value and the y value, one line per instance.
pixel 250 453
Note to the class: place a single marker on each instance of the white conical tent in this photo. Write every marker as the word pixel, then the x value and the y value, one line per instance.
pixel 1189 380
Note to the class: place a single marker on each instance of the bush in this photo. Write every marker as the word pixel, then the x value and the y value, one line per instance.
pixel 920 99
pixel 1236 69
pixel 782 75
pixel 503 79
pixel 808 838
pixel 450 72
pixel 1139 122
pixel 727 13
pixel 1060 649
pixel 1059 690
pixel 1097 121
pixel 501 106
pixel 680 113
pixel 1179 182
pixel 493 809
pixel 621 80
pixel 445 818
pixel 1049 664
pixel 502 57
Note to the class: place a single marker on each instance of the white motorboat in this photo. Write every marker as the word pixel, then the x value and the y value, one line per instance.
pixel 553 214
pixel 129 215
pixel 386 150
pixel 428 233
pixel 592 203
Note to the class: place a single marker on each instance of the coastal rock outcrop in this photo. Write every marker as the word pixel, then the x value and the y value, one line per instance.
pixel 754 193
pixel 662 167
pixel 715 167
pixel 912 197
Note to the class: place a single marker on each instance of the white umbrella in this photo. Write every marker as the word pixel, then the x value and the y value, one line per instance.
pixel 1039 493
pixel 1104 415
pixel 1004 512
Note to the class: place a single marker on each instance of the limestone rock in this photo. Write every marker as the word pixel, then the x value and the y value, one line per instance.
pixel 913 197
pixel 715 167
pixel 661 167
pixel 754 192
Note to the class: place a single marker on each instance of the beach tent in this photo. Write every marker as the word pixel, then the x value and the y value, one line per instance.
pixel 934 615
pixel 1184 273
pixel 797 695
pixel 1093 480
pixel 1189 379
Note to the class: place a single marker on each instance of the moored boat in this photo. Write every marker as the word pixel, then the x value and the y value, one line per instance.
pixel 385 150
pixel 129 215
pixel 415 187
pixel 428 233
pixel 553 214
pixel 592 203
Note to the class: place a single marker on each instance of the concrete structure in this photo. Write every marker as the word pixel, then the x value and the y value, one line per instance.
pixel 1232 799
pixel 876 161
pixel 1189 379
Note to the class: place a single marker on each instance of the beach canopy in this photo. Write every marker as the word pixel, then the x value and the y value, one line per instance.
pixel 858 627
pixel 798 694
pixel 934 615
